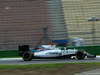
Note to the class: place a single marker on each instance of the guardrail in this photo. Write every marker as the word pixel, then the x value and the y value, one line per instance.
pixel 9 53
pixel 89 49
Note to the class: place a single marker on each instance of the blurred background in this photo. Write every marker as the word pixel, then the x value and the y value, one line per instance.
pixel 38 22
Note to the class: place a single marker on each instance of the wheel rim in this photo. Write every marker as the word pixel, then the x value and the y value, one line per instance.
pixel 27 56
pixel 80 54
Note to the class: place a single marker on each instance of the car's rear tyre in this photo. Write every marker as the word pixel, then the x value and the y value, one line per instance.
pixel 27 56
pixel 80 55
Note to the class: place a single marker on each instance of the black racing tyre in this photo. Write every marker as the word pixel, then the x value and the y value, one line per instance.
pixel 80 54
pixel 27 56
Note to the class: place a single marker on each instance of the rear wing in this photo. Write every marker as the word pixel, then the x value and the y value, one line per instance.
pixel 22 49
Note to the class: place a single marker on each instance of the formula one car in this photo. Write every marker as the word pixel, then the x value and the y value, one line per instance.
pixel 51 51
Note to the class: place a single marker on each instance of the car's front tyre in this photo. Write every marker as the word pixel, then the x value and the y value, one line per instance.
pixel 80 54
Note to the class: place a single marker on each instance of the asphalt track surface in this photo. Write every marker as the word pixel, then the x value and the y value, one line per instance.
pixel 20 61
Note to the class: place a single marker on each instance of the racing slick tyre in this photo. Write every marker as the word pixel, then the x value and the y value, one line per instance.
pixel 80 55
pixel 27 56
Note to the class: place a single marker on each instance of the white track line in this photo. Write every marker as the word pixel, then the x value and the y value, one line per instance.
pixel 10 58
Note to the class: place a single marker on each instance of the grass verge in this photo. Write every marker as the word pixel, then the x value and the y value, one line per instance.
pixel 48 69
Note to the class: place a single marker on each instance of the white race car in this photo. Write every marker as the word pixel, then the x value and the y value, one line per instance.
pixel 51 51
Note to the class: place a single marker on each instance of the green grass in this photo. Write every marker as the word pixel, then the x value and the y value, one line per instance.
pixel 31 66
pixel 48 69
pixel 36 66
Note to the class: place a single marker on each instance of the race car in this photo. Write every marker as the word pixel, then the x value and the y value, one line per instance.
pixel 51 51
